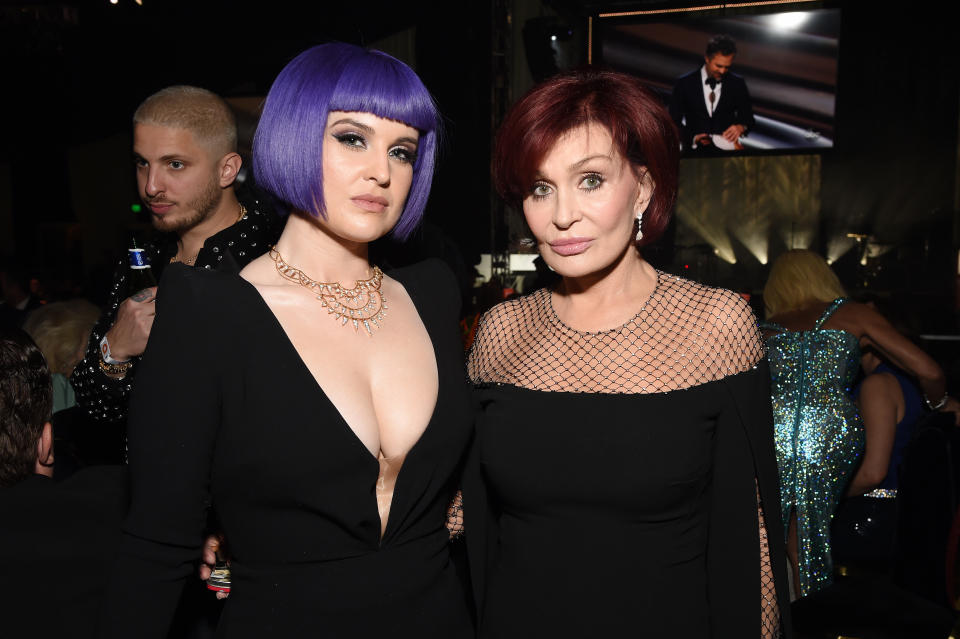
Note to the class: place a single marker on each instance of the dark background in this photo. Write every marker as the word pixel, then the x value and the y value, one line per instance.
pixel 73 72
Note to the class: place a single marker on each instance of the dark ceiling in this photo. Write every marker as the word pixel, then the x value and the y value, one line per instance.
pixel 74 71
pixel 88 62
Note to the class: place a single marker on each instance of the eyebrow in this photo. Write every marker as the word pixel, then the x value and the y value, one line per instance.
pixel 165 158
pixel 359 125
pixel 577 165
pixel 412 141
pixel 369 130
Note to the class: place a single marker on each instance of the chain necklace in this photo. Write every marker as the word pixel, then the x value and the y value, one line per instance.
pixel 363 304
pixel 190 261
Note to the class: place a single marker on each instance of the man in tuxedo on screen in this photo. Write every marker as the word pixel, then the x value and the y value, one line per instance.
pixel 712 101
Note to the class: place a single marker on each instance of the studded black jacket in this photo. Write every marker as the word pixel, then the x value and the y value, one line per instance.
pixel 105 398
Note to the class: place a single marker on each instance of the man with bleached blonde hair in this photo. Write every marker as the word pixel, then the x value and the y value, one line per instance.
pixel 186 163
pixel 202 112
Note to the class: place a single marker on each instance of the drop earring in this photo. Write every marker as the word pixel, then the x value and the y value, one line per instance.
pixel 639 226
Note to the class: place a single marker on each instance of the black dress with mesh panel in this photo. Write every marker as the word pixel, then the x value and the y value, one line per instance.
pixel 618 477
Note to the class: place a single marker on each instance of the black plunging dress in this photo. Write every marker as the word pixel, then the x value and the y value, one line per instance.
pixel 616 481
pixel 226 413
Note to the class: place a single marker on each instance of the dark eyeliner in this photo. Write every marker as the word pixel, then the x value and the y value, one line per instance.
pixel 350 139
pixel 404 154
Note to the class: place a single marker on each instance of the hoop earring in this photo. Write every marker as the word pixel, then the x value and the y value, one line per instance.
pixel 639 225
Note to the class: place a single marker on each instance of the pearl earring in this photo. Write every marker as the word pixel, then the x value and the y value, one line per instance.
pixel 639 225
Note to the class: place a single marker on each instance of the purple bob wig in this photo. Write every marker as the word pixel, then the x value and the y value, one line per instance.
pixel 288 145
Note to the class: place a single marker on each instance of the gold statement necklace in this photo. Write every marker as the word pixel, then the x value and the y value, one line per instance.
pixel 363 304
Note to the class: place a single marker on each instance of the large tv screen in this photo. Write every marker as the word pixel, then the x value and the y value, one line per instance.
pixel 780 84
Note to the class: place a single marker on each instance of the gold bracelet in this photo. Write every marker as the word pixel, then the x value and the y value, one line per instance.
pixel 115 369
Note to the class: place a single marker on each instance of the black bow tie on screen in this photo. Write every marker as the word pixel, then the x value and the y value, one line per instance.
pixel 713 82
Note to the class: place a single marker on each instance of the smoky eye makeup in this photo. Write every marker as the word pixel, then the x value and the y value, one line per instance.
pixel 350 139
pixel 404 154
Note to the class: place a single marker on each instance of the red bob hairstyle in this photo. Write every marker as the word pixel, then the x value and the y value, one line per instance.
pixel 640 126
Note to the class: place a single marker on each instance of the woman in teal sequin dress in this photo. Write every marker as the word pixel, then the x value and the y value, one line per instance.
pixel 814 335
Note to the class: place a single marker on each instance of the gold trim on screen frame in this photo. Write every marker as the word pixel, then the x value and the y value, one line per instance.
pixel 704 7
pixel 590 40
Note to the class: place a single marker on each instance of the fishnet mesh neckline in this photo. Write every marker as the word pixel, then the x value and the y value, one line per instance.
pixel 554 318
pixel 684 335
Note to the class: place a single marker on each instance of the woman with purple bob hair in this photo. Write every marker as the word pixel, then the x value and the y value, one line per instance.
pixel 317 403
pixel 289 142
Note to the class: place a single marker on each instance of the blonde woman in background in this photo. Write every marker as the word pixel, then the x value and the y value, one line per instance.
pixel 61 331
pixel 814 335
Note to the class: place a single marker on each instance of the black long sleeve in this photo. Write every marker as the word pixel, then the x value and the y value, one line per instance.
pixel 174 416
pixel 744 462
pixel 105 398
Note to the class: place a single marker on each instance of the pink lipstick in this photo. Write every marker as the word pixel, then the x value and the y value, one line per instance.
pixel 571 245
pixel 373 203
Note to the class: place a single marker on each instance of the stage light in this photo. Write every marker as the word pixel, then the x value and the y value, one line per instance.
pixel 864 245
pixel 837 246
pixel 799 239
pixel 726 255
pixel 712 233
pixel 788 21
pixel 756 243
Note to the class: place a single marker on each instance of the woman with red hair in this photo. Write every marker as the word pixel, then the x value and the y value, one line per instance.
pixel 623 476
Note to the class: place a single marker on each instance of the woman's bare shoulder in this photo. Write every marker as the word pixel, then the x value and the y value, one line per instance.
pixel 853 317
pixel 261 271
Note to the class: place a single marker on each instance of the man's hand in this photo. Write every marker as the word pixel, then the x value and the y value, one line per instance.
pixel 733 132
pixel 701 139
pixel 128 336
pixel 211 546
